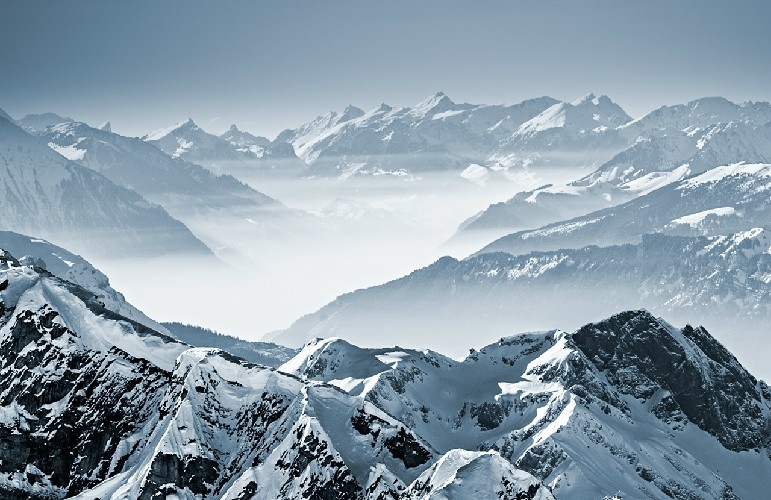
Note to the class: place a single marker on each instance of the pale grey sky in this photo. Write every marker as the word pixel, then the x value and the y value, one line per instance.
pixel 271 65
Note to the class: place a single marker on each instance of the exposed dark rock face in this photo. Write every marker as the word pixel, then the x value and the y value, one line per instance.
pixel 311 448
pixel 169 472
pixel 405 447
pixel 77 406
pixel 640 356
pixel 490 415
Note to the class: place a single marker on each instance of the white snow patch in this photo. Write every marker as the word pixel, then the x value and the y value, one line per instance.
pixel 477 174
pixel 697 218
pixel 70 152
pixel 719 173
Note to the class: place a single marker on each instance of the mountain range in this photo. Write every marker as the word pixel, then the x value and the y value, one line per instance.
pixel 220 210
pixel 668 145
pixel 50 196
pixel 438 134
pixel 188 141
pixel 95 405
pixel 722 200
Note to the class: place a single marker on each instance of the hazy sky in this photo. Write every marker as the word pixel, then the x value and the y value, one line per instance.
pixel 272 65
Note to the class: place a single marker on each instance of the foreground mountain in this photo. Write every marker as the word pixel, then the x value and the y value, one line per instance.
pixel 658 156
pixel 452 305
pixel 94 405
pixel 629 406
pixel 98 405
pixel 46 194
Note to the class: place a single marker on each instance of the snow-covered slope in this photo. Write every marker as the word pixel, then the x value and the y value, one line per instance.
pixel 48 195
pixel 452 305
pixel 75 269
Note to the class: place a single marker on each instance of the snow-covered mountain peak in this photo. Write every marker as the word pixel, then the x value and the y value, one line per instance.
pixel 482 475
pixel 180 126
pixel 584 115
pixel 435 103
pixel 75 269
pixel 34 123
pixel 106 126
pixel 349 113
pixel 589 98
pixel 334 359
pixel 188 141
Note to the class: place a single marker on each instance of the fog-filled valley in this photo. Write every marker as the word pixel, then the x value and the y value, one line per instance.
pixel 353 199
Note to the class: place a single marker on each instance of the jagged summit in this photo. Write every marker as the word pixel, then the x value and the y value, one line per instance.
pixel 588 98
pixel 190 142
pixel 436 103
pixel 161 133
pixel 349 113
pixel 106 126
